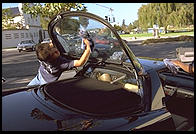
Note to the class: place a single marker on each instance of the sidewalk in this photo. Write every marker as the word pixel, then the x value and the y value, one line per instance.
pixel 16 83
pixel 145 38
pixel 136 39
pixel 8 49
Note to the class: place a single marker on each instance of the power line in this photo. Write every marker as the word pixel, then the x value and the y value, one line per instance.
pixel 106 7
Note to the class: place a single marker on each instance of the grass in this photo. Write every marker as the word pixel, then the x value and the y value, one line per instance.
pixel 150 34
pixel 137 35
pixel 179 38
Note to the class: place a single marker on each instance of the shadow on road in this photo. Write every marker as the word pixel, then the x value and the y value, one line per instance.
pixel 16 83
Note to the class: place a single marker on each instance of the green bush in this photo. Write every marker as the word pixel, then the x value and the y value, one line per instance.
pixel 180 38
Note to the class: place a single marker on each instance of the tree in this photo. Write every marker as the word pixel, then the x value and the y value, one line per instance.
pixel 6 19
pixel 164 14
pixel 49 10
pixel 117 27
pixel 130 27
pixel 135 24
pixel 123 27
pixel 84 21
pixel 143 17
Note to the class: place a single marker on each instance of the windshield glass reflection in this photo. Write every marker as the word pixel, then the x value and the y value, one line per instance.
pixel 68 31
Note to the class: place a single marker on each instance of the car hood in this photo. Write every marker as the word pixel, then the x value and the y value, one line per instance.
pixel 31 111
pixel 152 63
pixel 20 112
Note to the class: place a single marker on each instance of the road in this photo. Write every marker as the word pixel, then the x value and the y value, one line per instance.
pixel 157 50
pixel 20 68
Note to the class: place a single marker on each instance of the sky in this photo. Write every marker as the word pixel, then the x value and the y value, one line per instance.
pixel 126 11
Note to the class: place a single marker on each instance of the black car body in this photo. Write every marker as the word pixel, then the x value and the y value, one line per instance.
pixel 85 102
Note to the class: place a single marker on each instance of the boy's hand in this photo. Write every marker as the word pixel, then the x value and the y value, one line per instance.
pixel 87 43
pixel 84 34
pixel 175 62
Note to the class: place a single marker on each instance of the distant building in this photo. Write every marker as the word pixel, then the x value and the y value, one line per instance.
pixel 137 30
pixel 28 28
pixel 150 30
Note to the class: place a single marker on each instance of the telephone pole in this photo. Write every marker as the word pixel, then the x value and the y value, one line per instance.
pixel 110 18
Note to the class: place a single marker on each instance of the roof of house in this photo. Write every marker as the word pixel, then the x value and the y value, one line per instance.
pixel 14 11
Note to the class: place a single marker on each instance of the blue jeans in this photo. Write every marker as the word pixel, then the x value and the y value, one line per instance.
pixel 38 80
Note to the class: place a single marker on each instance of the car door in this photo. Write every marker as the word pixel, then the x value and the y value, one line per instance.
pixel 65 28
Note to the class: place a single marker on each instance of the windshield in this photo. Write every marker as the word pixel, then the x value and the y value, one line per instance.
pixel 68 31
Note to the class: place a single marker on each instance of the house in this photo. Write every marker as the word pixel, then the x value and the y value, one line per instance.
pixel 28 28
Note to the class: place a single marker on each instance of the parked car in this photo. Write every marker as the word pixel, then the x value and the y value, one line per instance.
pixel 115 92
pixel 46 40
pixel 107 40
pixel 26 45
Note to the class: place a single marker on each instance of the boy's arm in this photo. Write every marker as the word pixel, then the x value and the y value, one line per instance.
pixel 85 55
pixel 184 66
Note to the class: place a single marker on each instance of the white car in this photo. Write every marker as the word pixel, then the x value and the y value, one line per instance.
pixel 46 40
pixel 26 45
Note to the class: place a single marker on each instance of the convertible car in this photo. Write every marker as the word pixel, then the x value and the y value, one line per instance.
pixel 116 91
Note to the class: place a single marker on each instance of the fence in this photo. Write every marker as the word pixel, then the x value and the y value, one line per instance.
pixel 10 38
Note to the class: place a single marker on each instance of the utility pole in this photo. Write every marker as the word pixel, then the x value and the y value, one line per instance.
pixel 110 17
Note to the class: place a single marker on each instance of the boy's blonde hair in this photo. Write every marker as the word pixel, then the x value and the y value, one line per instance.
pixel 44 51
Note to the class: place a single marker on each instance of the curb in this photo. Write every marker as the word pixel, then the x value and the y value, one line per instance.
pixel 145 38
pixel 9 49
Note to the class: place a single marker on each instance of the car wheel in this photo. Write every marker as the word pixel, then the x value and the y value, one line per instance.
pixel 19 50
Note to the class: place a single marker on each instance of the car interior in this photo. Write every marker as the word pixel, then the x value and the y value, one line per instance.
pixel 100 90
pixel 182 83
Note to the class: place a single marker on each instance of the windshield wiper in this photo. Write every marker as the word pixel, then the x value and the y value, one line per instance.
pixel 120 78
